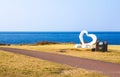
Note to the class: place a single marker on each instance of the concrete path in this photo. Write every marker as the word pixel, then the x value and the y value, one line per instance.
pixel 110 69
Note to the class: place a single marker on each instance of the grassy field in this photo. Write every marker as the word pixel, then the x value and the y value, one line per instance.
pixel 15 65
pixel 113 55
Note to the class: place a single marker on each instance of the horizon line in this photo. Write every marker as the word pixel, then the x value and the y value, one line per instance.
pixel 58 31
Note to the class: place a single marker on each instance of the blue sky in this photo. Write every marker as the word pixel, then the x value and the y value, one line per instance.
pixel 59 15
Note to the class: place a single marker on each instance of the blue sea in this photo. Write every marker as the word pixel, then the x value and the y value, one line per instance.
pixel 66 37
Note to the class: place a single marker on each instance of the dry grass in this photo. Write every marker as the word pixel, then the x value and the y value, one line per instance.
pixel 113 55
pixel 15 65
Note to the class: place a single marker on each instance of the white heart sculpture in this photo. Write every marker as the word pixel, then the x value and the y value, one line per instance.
pixel 86 45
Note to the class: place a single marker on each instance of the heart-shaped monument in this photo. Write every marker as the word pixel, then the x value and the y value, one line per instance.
pixel 83 44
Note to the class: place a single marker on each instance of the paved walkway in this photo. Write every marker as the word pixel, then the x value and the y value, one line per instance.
pixel 110 69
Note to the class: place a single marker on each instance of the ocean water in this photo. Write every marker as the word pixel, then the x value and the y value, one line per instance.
pixel 34 37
